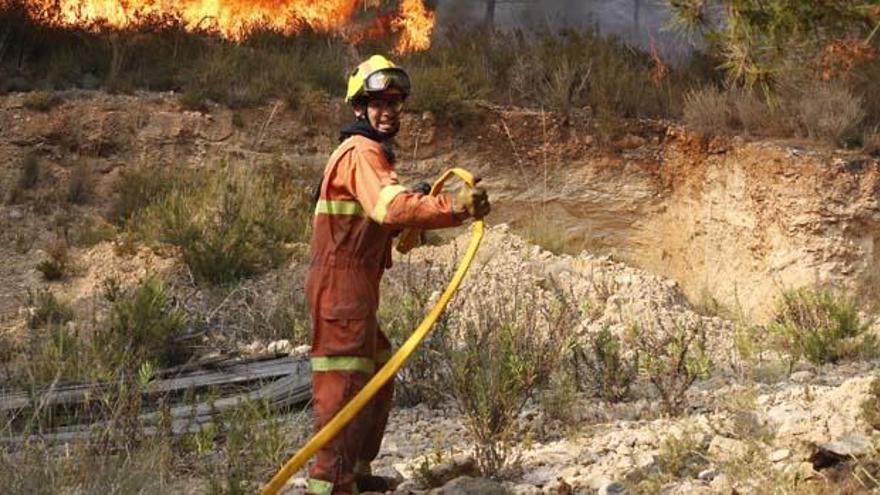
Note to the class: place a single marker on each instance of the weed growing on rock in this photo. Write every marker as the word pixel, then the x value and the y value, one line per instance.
pixel 681 457
pixel 673 356
pixel 821 327
pixel 604 367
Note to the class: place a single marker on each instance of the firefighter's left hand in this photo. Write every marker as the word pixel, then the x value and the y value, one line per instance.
pixel 472 201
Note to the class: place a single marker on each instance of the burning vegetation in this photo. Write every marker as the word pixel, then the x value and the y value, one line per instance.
pixel 412 22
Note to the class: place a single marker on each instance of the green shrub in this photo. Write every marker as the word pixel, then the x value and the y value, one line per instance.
pixel 673 355
pixel 140 186
pixel 143 326
pixel 608 372
pixel 42 101
pixel 440 90
pixel 46 309
pixel 681 457
pixel 820 326
pixel 232 224
pixel 497 356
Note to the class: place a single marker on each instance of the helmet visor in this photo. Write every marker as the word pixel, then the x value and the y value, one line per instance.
pixel 383 79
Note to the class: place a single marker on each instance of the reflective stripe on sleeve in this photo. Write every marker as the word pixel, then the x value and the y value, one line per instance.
pixel 319 487
pixel 386 195
pixel 343 363
pixel 339 207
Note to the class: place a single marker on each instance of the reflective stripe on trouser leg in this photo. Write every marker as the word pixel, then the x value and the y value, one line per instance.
pixel 343 363
pixel 319 487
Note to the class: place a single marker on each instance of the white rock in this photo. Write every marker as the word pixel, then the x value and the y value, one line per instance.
pixel 779 455
pixel 724 449
pixel 280 347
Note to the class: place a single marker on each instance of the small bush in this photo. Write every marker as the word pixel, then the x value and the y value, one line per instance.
pixel 608 372
pixel 143 326
pixel 46 309
pixel 830 112
pixel 42 101
pixel 235 223
pixel 497 356
pixel 81 185
pixel 59 264
pixel 707 110
pixel 680 457
pixel 441 90
pixel 140 186
pixel 193 99
pixel 673 356
pixel 820 326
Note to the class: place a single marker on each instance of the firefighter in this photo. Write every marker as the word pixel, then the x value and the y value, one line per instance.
pixel 361 207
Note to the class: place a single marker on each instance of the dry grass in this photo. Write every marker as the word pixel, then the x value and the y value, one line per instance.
pixel 42 101
pixel 707 109
pixel 82 182
pixel 830 112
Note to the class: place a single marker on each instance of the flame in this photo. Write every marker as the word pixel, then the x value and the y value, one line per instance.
pixel 234 18
pixel 415 23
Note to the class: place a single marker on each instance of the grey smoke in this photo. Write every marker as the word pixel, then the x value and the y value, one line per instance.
pixel 637 22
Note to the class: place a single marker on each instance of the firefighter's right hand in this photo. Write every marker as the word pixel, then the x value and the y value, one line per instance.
pixel 473 202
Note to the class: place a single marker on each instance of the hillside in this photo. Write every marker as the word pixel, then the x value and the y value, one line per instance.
pixel 653 227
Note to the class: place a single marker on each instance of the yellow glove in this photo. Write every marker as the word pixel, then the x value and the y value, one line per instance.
pixel 472 202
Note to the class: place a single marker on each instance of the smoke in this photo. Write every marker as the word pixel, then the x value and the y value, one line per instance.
pixel 638 22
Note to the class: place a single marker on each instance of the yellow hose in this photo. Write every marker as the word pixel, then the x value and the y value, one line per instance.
pixel 347 413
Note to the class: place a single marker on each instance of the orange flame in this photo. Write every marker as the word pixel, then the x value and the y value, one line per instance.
pixel 416 23
pixel 234 18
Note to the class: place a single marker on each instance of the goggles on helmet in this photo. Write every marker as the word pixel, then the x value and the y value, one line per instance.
pixel 383 79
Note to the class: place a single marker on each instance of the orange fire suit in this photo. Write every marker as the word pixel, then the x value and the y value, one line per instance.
pixel 360 208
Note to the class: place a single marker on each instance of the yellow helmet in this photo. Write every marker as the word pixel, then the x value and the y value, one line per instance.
pixel 374 75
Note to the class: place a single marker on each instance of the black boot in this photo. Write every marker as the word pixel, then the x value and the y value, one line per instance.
pixel 370 483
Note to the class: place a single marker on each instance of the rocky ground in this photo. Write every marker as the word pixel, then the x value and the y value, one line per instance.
pixel 716 215
pixel 754 427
